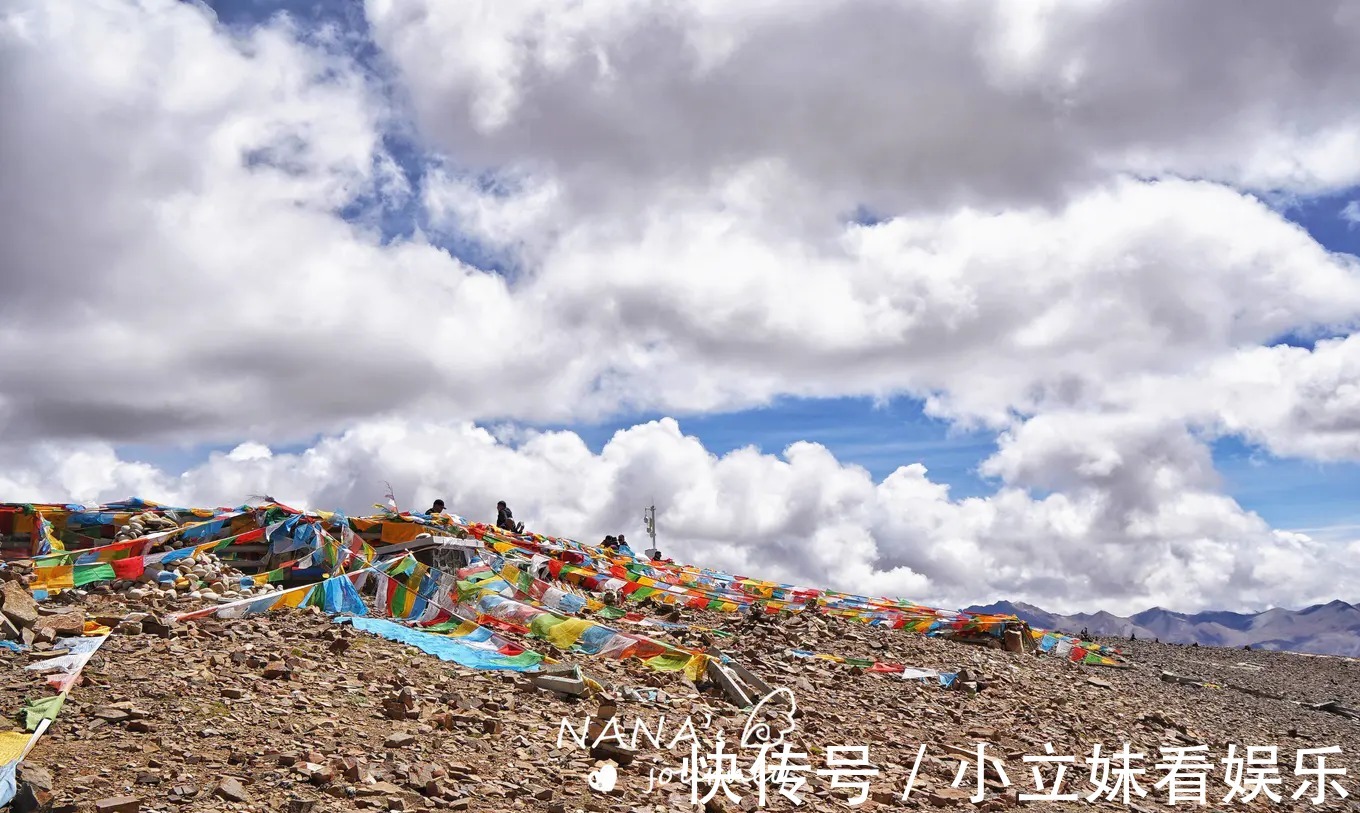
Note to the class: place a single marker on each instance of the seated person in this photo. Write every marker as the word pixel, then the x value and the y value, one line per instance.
pixel 506 520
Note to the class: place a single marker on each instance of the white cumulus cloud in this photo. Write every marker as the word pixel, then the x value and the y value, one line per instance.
pixel 799 515
pixel 1075 242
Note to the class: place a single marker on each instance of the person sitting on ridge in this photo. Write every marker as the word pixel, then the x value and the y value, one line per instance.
pixel 610 542
pixel 437 508
pixel 506 520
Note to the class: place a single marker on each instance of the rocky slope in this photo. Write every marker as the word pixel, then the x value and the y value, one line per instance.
pixel 294 712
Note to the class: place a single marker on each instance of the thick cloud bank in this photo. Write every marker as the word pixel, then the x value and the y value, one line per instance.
pixel 801 516
pixel 1062 222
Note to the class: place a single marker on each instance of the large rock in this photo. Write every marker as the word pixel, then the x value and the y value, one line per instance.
pixel 37 776
pixel 19 606
pixel 278 670
pixel 30 799
pixel 8 629
pixel 231 790
pixel 152 625
pixel 64 624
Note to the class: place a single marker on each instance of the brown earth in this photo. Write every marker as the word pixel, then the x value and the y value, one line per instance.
pixel 292 712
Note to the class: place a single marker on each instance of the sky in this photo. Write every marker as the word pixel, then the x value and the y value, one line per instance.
pixel 1027 300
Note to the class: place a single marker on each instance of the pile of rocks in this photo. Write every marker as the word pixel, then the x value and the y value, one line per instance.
pixel 145 524
pixel 202 577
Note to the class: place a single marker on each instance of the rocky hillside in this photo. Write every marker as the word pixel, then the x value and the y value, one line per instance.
pixel 295 712
pixel 1323 629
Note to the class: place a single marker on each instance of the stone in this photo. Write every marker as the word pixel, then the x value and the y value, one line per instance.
pixel 151 625
pixel 399 739
pixel 421 777
pixel 611 750
pixel 118 804
pixel 300 805
pixel 574 686
pixel 355 770
pixel 64 624
pixel 8 630
pixel 129 628
pixel 379 789
pixel 949 797
pixel 233 692
pixel 184 790
pixel 277 670
pixel 18 605
pixel 315 773
pixel 112 715
pixel 35 775
pixel 231 790
pixel 29 799
pixel 133 712
pixel 885 797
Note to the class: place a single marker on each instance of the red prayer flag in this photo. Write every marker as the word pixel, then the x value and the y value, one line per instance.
pixel 129 568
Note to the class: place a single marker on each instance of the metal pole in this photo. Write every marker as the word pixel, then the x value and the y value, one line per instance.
pixel 649 519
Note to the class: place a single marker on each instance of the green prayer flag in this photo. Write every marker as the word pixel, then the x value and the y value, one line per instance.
pixel 84 574
pixel 45 709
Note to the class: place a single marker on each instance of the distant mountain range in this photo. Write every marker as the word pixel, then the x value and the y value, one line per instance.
pixel 1323 629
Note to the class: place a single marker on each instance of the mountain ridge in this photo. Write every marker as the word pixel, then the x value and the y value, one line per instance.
pixel 1332 628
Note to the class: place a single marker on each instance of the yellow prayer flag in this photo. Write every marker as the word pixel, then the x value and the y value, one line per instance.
pixel 568 632
pixel 56 577
pixel 12 745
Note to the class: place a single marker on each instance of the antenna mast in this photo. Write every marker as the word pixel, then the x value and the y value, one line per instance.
pixel 649 520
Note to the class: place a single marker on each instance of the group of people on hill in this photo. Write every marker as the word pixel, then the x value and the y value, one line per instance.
pixel 620 544
pixel 615 542
pixel 505 520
